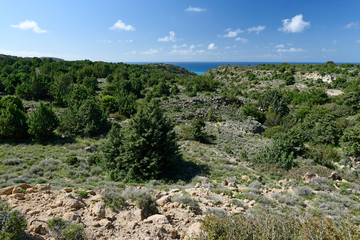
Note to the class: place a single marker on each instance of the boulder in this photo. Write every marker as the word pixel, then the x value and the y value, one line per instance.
pixel 42 187
pixel 98 210
pixel 309 176
pixel 6 191
pixel 163 201
pixel 157 218
pixel 334 176
pixel 73 203
pixel 193 231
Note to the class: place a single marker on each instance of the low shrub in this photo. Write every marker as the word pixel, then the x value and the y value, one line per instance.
pixel 188 201
pixel 12 223
pixel 64 230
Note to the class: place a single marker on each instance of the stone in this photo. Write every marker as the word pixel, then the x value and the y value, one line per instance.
pixel 19 196
pixel 334 176
pixel 91 192
pixel 43 187
pixel 73 203
pixel 87 149
pixel 37 227
pixel 6 191
pixel 99 210
pixel 104 222
pixel 193 231
pixel 17 189
pixel 163 201
pixel 245 178
pixel 157 218
pixel 308 177
pixel 67 189
pixel 33 212
pixel 174 190
pixel 70 216
pixel 29 190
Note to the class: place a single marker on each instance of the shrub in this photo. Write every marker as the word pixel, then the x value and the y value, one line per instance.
pixel 72 160
pixel 188 201
pixel 83 193
pixel 147 204
pixel 42 122
pixel 249 110
pixel 196 130
pixel 350 140
pixel 274 98
pixel 12 118
pixel 12 224
pixel 324 155
pixel 64 230
pixel 144 149
pixel 114 200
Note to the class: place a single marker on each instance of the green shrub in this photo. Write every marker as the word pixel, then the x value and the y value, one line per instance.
pixel 83 193
pixel 147 204
pixel 274 98
pixel 196 131
pixel 12 223
pixel 145 148
pixel 324 155
pixel 42 122
pixel 350 141
pixel 250 110
pixel 72 160
pixel 64 230
pixel 188 201
pixel 114 200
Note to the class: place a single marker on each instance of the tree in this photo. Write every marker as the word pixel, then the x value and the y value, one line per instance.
pixel 274 98
pixel 350 140
pixel 145 148
pixel 42 122
pixel 84 118
pixel 12 118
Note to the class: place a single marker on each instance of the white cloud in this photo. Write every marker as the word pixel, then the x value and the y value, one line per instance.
pixel 192 46
pixel 195 9
pixel 295 25
pixel 150 51
pixel 284 50
pixel 257 29
pixel 334 41
pixel 352 25
pixel 328 50
pixel 120 25
pixel 105 41
pixel 170 38
pixel 231 33
pixel 242 40
pixel 27 24
pixel 280 46
pixel 212 46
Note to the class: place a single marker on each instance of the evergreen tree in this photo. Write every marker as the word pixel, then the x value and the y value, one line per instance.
pixel 12 118
pixel 42 122
pixel 144 149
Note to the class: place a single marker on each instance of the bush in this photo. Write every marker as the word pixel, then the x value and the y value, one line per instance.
pixel 12 118
pixel 196 130
pixel 114 200
pixel 12 223
pixel 42 122
pixel 274 98
pixel 189 202
pixel 249 110
pixel 147 204
pixel 145 148
pixel 64 230
pixel 324 155
pixel 72 160
pixel 350 141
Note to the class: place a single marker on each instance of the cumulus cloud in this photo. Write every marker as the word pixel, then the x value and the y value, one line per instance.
pixel 27 24
pixel 212 46
pixel 232 33
pixel 280 46
pixel 150 51
pixel 242 40
pixel 120 25
pixel 285 50
pixel 257 29
pixel 170 38
pixel 195 9
pixel 352 25
pixel 294 25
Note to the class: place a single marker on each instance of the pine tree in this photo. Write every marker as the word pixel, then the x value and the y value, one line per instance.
pixel 144 149
pixel 42 122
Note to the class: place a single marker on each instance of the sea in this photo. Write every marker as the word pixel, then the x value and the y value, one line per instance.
pixel 201 67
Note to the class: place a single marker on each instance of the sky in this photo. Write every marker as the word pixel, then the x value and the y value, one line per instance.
pixel 182 30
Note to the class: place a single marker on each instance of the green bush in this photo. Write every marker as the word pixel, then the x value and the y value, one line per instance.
pixel 72 160
pixel 147 204
pixel 12 118
pixel 196 131
pixel 64 230
pixel 250 110
pixel 42 122
pixel 146 148
pixel 276 226
pixel 83 193
pixel 350 141
pixel 12 223
pixel 324 155
pixel 114 200
pixel 274 98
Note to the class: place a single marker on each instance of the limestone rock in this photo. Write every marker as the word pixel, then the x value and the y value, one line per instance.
pixel 105 222
pixel 43 187
pixel 308 177
pixel 6 191
pixel 193 231
pixel 73 203
pixel 157 218
pixel 99 210
pixel 67 189
pixel 163 200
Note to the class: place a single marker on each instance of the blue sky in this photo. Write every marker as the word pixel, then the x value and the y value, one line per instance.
pixel 182 30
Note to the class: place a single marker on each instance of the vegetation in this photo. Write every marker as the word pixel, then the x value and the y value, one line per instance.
pixel 12 224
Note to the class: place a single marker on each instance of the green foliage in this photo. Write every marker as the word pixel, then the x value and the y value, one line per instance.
pixel 324 155
pixel 250 109
pixel 72 160
pixel 35 88
pixel 272 118
pixel 146 148
pixel 64 230
pixel 322 125
pixel 268 226
pixel 12 224
pixel 274 98
pixel 83 193
pixel 313 96
pixel 84 119
pixel 12 118
pixel 282 151
pixel 350 141
pixel 273 131
pixel 42 122
pixel 109 104
pixel 114 200
pixel 60 88
pixel 126 102
pixel 189 202
pixel 196 130
pixel 201 83
pixel 147 204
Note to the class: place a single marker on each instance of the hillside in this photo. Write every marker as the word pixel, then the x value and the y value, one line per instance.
pixel 254 144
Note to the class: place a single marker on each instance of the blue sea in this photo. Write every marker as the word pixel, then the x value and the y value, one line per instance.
pixel 201 67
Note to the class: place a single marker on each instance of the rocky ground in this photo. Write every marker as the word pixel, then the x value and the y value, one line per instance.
pixel 174 220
